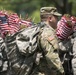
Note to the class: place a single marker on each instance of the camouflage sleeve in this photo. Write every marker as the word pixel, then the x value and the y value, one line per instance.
pixel 49 45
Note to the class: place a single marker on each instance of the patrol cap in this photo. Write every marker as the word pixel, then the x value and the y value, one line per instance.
pixel 49 10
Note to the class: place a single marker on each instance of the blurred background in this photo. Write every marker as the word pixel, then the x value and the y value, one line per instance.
pixel 32 7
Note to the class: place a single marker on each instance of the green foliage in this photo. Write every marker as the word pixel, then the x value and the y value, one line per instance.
pixel 70 0
pixel 36 16
pixel 32 7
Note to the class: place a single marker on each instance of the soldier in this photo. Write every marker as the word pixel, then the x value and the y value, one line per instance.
pixel 50 64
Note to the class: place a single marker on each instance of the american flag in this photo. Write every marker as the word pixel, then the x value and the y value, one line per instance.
pixel 26 23
pixel 13 21
pixel 3 24
pixel 9 24
pixel 63 30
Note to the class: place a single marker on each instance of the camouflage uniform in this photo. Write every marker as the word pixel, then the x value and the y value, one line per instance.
pixel 50 63
pixel 47 53
pixel 3 57
pixel 74 45
pixel 65 54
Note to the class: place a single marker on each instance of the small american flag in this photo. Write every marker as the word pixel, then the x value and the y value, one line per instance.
pixel 9 24
pixel 13 21
pixel 26 23
pixel 63 30
pixel 3 24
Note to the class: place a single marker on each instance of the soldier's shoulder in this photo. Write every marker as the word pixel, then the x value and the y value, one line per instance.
pixel 48 30
pixel 47 33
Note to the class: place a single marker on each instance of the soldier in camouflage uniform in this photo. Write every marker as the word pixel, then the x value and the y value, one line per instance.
pixel 50 64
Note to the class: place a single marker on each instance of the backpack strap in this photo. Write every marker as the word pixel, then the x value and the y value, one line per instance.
pixel 42 25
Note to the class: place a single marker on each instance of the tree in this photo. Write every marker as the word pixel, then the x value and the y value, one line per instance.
pixel 32 7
